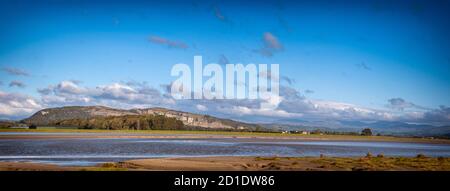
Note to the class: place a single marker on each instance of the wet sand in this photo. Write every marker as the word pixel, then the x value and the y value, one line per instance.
pixel 379 163
pixel 26 166
pixel 288 164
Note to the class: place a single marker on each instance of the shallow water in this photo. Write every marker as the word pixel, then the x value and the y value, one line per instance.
pixel 91 151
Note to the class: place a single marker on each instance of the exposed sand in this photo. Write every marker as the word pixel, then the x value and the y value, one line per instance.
pixel 217 164
pixel 26 166
pixel 287 164
pixel 253 164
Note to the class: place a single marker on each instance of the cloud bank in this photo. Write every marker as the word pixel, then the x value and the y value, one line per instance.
pixel 292 104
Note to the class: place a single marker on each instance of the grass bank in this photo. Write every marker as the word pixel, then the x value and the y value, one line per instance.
pixel 232 134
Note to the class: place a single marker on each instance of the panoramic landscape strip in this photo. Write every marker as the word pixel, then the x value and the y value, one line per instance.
pixel 273 88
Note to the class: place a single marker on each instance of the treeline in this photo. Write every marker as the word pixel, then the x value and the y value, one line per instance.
pixel 131 122
pixel 7 124
pixel 364 132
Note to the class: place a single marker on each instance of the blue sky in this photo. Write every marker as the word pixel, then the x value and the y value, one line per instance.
pixel 389 57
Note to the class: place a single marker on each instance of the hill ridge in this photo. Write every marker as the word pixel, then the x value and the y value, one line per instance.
pixel 51 115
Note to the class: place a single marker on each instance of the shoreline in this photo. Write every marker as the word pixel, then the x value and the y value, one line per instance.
pixel 176 134
pixel 367 163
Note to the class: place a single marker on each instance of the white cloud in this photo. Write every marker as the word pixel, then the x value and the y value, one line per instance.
pixel 349 111
pixel 201 107
pixel 241 110
pixel 69 87
pixel 14 104
pixel 124 95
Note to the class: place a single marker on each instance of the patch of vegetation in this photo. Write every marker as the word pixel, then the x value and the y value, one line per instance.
pixel 7 124
pixel 109 165
pixel 102 169
pixel 421 156
pixel 366 132
pixel 128 122
pixel 384 163
pixel 267 158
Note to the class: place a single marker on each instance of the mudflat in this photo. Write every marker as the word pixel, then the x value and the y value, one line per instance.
pixel 367 163
pixel 289 164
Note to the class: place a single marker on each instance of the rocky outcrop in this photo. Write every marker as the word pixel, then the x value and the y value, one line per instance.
pixel 51 115
pixel 191 119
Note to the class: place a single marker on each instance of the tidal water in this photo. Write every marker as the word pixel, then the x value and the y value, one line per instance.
pixel 89 151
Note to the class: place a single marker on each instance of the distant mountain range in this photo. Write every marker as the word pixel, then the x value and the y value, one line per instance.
pixel 382 127
pixel 53 116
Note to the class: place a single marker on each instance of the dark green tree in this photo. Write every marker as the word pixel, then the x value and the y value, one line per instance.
pixel 32 126
pixel 366 132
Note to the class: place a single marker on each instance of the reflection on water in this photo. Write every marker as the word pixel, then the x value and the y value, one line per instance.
pixel 92 151
pixel 192 142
